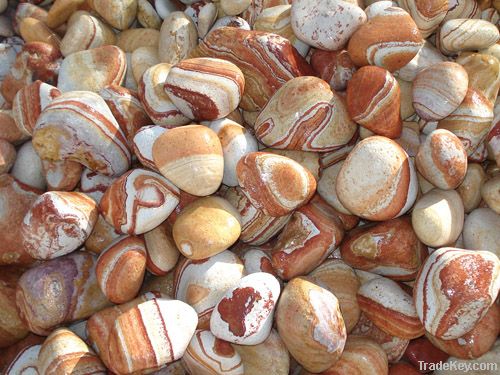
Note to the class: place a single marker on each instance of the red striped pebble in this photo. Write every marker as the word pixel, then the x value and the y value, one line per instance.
pixel 256 260
pixel 335 67
pixel 304 114
pixel 493 139
pixel 203 14
pixel 29 102
pixel 266 60
pixel 476 342
pixel 454 290
pixel 457 35
pixel 326 24
pixel 143 142
pixel 390 249
pixel 374 100
pixel 78 295
pixel 94 184
pixel 390 308
pixel 79 126
pixel 84 31
pixel 328 159
pixel 378 42
pixel 208 354
pixel 245 314
pixel 25 362
pixel 58 223
pixel 361 355
pixel 462 9
pixel 155 100
pixel 139 201
pixel 120 269
pixel 151 334
pixel 470 121
pixel 388 191
pixel 100 325
pixel 126 108
pixel 162 254
pixel 236 142
pixel 62 175
pixel 202 283
pixel 256 227
pixel 310 236
pixel 309 160
pixel 393 346
pixel 341 280
pixel 205 88
pixel 311 325
pixel 231 21
pixel 191 157
pixel 64 352
pixel 427 56
pixel 92 70
pixel 274 184
pixel 257 7
pixel 439 89
pixel 442 160
pixel 427 14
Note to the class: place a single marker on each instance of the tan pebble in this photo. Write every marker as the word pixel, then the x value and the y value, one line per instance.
pixel 490 192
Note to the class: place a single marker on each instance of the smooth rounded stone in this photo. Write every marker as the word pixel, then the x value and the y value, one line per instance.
pixel 438 217
pixel 234 7
pixel 470 121
pixel 142 59
pixel 143 142
pixel 236 142
pixel 118 13
pixel 410 138
pixel 304 114
pixel 85 32
pixel 341 280
pixel 191 157
pixel 390 308
pixel 92 70
pixel 492 140
pixel 155 100
pixel 178 37
pixel 252 324
pixel 231 21
pixel 430 101
pixel 361 354
pixel 423 350
pixel 64 352
pixel 7 57
pixel 374 101
pixel 442 160
pixel 378 42
pixel 165 7
pixel 310 236
pixel 310 323
pixel 327 187
pixel 163 328
pixel 147 15
pixel 61 11
pixel 58 223
pixel 258 6
pixel 470 188
pixel 427 56
pixel 25 10
pixel 132 39
pixel 458 35
pixel 203 14
pixel 120 269
pixel 427 14
pixel 484 73
pixel 266 60
pixel 256 260
pixel 463 9
pixel 454 290
pixel 277 20
pixel 257 228
pixel 388 191
pixel 7 156
pixel 34 30
pixel 202 283
pixel 162 254
pixel 206 227
pixel 78 297
pixel 28 167
pixel 326 24
pixel 79 126
pixel 490 192
pixel 205 88
pixel 29 102
pixel 391 249
pixel 16 199
pixel 25 361
pixel 62 175
pixel 126 108
pixel 477 341
pixel 138 201
pixel 334 67
pixel 274 184
pixel 206 353
pixel 94 184
pixel 309 160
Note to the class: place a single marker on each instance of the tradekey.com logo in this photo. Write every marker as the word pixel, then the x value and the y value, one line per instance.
pixel 458 366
